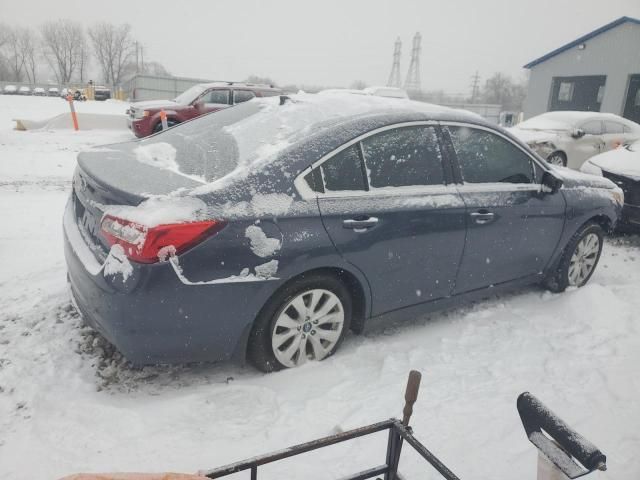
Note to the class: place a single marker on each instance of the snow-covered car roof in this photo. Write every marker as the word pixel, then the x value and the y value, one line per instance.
pixel 623 161
pixel 261 135
pixel 566 120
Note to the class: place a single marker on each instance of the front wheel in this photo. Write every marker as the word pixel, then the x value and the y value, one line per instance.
pixel 579 260
pixel 306 321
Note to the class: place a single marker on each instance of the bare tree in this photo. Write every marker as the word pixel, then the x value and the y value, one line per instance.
pixel 62 42
pixel 501 89
pixel 15 55
pixel 28 43
pixel 114 48
pixel 83 58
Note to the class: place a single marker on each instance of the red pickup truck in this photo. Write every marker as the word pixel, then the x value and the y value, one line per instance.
pixel 143 118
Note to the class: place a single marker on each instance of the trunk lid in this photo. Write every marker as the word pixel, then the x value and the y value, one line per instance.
pixel 113 176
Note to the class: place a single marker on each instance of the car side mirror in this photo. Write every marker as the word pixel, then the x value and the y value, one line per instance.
pixel 550 182
pixel 577 133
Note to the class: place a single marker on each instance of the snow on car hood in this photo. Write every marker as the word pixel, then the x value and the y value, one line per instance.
pixel 621 161
pixel 534 136
pixel 155 104
pixel 573 179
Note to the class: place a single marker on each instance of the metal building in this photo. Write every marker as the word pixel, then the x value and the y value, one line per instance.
pixel 599 71
pixel 153 87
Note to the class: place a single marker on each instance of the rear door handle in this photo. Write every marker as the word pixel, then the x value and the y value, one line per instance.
pixel 360 224
pixel 482 217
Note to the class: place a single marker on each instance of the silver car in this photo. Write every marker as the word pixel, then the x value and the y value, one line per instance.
pixel 570 138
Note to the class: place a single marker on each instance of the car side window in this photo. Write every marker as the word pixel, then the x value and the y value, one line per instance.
pixel 218 97
pixel 240 96
pixel 613 127
pixel 593 127
pixel 403 157
pixel 485 157
pixel 343 171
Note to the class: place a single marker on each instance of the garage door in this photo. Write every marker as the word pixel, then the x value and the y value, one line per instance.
pixel 632 103
pixel 577 93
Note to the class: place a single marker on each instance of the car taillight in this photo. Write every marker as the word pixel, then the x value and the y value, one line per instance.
pixel 144 244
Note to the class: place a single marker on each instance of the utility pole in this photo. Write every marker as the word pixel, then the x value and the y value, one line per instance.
pixel 394 78
pixel 475 87
pixel 137 60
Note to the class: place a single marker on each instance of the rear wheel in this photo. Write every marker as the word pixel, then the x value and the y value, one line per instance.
pixel 579 260
pixel 305 321
pixel 557 158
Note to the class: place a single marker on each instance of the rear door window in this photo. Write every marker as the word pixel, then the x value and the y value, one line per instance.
pixel 402 157
pixel 343 171
pixel 216 97
pixel 485 157
pixel 240 96
pixel 592 128
pixel 613 127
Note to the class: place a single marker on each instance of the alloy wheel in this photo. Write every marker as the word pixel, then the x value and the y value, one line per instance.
pixel 308 327
pixel 583 260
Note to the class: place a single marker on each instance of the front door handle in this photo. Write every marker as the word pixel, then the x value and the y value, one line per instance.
pixel 360 224
pixel 482 217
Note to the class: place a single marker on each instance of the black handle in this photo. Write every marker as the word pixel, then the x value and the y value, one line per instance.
pixel 537 417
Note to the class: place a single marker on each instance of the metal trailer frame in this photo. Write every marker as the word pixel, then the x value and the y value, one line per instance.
pixel 562 451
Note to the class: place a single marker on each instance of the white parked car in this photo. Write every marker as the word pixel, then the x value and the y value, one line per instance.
pixel 570 138
pixel 389 92
pixel 24 90
pixel 622 167
pixel 39 92
pixel 53 92
pixel 10 90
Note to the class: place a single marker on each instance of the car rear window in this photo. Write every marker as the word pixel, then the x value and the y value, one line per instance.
pixel 205 147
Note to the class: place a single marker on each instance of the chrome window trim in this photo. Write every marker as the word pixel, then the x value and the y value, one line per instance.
pixel 306 193
pixel 535 161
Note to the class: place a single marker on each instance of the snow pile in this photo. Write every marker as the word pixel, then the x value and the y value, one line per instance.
pixel 265 271
pixel 262 245
pixel 117 263
pixel 160 155
pixel 160 210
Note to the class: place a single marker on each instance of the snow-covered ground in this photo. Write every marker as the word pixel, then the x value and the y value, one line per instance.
pixel 69 404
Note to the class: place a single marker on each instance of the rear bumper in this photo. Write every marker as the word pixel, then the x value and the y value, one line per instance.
pixel 152 317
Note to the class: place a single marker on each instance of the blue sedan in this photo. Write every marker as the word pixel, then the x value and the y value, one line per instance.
pixel 268 230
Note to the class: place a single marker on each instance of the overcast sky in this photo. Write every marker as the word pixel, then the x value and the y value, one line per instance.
pixel 335 42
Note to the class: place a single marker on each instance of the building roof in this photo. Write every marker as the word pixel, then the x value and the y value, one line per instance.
pixel 583 39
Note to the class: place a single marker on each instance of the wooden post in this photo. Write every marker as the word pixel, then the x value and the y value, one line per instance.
pixel 411 395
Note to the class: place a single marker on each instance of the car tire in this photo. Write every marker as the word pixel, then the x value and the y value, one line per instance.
pixel 285 337
pixel 158 126
pixel 579 260
pixel 558 159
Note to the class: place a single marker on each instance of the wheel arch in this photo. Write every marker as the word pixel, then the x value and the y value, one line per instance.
pixel 562 153
pixel 359 296
pixel 603 220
